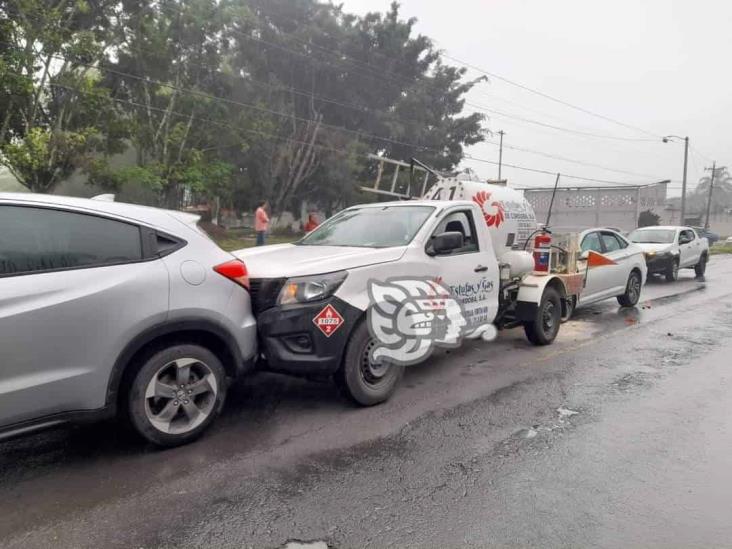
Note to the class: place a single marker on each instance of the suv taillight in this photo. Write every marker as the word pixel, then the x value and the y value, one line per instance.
pixel 236 271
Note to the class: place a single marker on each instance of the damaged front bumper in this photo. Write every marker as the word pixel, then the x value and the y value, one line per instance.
pixel 659 263
pixel 306 339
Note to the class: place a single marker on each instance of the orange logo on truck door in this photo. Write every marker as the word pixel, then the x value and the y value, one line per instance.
pixel 497 215
pixel 328 320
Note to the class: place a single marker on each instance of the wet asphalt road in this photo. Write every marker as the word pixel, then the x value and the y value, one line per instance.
pixel 619 434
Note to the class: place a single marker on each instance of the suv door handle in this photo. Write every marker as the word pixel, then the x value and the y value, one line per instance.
pixel 480 269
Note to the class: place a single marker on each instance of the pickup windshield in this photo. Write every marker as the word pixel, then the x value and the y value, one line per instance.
pixel 653 236
pixel 370 227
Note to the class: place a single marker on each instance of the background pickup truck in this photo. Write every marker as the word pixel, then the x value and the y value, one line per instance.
pixel 668 249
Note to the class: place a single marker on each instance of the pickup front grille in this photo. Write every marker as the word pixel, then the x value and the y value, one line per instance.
pixel 264 292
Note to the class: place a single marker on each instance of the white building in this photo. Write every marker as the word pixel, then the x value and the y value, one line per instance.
pixel 617 207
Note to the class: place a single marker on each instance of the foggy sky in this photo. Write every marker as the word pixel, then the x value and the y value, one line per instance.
pixel 660 65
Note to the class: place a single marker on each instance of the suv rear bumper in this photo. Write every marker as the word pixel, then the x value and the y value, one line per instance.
pixel 291 342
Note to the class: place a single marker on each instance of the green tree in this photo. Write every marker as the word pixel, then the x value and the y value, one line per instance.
pixel 342 84
pixel 234 99
pixel 57 116
pixel 721 193
pixel 170 69
pixel 648 218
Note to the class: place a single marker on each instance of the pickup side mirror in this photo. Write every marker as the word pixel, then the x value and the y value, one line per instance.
pixel 444 243
pixel 684 240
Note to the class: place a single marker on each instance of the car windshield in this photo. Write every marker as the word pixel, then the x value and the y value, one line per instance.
pixel 370 227
pixel 653 236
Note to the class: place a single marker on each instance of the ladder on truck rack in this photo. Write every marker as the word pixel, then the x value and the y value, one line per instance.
pixel 417 184
pixel 416 172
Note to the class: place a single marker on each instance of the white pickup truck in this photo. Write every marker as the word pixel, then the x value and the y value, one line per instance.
pixel 668 249
pixel 311 297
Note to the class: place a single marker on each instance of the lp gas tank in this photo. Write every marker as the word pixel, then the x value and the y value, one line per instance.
pixel 507 214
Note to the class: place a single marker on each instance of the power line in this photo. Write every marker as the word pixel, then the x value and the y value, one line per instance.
pixel 261 83
pixel 199 119
pixel 339 128
pixel 379 73
pixel 547 96
pixel 559 128
pixel 553 173
pixel 704 156
pixel 319 146
pixel 252 106
pixel 571 160
pixel 480 108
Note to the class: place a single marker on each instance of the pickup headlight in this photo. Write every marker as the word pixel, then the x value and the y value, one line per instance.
pixel 310 288
pixel 667 253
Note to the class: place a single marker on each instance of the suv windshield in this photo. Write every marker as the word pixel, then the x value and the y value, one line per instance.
pixel 370 227
pixel 653 236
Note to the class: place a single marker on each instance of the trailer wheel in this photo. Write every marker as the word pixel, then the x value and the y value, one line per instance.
pixel 701 267
pixel 545 326
pixel 358 378
pixel 570 304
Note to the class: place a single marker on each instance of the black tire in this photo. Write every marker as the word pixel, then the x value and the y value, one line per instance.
pixel 543 329
pixel 358 379
pixel 179 397
pixel 701 267
pixel 672 273
pixel 632 290
pixel 570 304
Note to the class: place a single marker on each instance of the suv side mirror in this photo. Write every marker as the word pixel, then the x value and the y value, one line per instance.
pixel 584 255
pixel 445 243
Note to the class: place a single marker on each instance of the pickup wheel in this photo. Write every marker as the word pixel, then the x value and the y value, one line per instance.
pixel 701 267
pixel 543 329
pixel 358 378
pixel 632 291
pixel 672 273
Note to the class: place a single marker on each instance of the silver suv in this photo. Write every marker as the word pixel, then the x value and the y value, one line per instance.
pixel 110 308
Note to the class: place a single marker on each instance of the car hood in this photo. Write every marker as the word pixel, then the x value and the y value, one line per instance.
pixel 657 248
pixel 287 260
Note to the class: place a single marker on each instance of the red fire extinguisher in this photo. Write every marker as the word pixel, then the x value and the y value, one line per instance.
pixel 542 252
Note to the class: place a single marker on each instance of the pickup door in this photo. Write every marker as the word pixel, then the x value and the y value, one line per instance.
pixel 690 248
pixel 471 272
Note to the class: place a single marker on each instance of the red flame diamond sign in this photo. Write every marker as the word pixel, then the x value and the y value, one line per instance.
pixel 492 219
pixel 328 320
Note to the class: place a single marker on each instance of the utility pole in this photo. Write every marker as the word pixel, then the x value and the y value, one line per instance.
pixel 711 189
pixel 500 154
pixel 686 161
pixel 683 183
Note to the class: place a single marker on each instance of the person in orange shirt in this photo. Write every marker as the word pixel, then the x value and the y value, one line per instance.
pixel 311 224
pixel 261 223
